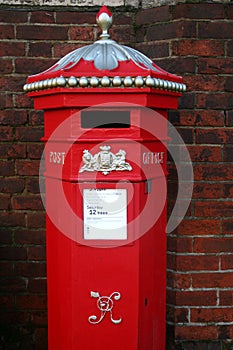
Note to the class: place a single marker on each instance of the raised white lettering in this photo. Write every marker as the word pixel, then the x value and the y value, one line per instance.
pixel 150 158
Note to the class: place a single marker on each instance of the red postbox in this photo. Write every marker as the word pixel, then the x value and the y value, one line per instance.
pixel 105 107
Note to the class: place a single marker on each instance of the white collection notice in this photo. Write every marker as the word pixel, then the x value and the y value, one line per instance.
pixel 105 213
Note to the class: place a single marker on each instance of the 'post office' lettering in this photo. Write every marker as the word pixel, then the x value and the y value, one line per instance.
pixel 57 157
pixel 152 158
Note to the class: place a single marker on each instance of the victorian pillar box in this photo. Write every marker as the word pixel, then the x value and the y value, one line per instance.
pixel 105 110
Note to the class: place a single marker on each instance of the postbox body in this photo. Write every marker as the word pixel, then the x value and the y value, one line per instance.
pixel 105 169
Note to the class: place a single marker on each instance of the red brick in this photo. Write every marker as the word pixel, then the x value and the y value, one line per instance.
pixel 31 237
pixel 30 269
pixel 206 190
pixel 12 48
pixel 213 245
pixel 5 201
pixel 31 302
pixel 27 167
pixel 206 82
pixel 227 226
pixel 13 285
pixel 187 101
pixel 12 15
pixel 196 332
pixel 177 280
pixel 180 244
pixel 28 134
pixel 199 227
pixel 198 47
pixel 226 297
pixel 31 66
pixel 228 84
pixel 41 339
pixel 186 134
pixel 228 153
pixel 7 31
pixel 215 136
pixel 13 117
pixel 82 33
pixel 42 17
pixel 60 49
pixel 39 318
pixel 37 285
pixel 6 66
pixel 12 185
pixel 6 268
pixel 216 101
pixel 154 49
pixel 179 65
pixel 213 209
pixel 122 34
pixel 32 185
pixel 229 11
pixel 36 118
pixel 12 151
pixel 227 262
pixel 228 190
pixel 6 133
pixel 36 220
pixel 23 101
pixel 6 301
pixel 75 17
pixel 10 83
pixel 11 219
pixel 6 101
pixel 197 263
pixel 212 280
pixel 35 150
pixel 40 49
pixel 36 253
pixel 213 315
pixel 171 261
pixel 40 32
pixel 199 11
pixel 7 168
pixel 22 202
pixel 215 65
pixel 13 253
pixel 122 18
pixel 14 317
pixel 196 298
pixel 177 315
pixel 230 48
pixel 225 332
pixel 6 236
pixel 211 30
pixel 179 29
pixel 153 15
pixel 213 172
pixel 205 153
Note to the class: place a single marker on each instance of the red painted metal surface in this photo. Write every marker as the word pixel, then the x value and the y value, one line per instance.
pixel 137 270
pixel 81 272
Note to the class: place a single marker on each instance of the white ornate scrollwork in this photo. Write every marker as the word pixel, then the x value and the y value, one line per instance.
pixel 105 161
pixel 105 304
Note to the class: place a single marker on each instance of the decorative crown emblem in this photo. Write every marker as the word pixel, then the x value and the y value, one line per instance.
pixel 105 161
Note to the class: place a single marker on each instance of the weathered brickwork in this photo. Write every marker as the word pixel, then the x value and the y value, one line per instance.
pixel 194 40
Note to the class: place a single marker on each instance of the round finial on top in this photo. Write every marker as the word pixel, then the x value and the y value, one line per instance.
pixel 104 20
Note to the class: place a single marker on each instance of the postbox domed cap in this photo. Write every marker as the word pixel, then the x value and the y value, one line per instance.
pixel 105 63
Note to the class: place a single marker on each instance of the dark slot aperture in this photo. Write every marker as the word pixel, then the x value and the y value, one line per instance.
pixel 105 119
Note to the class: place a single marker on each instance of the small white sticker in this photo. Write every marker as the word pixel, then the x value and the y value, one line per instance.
pixel 105 214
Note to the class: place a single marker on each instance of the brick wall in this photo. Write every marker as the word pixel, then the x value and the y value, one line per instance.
pixel 196 41
pixel 193 40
